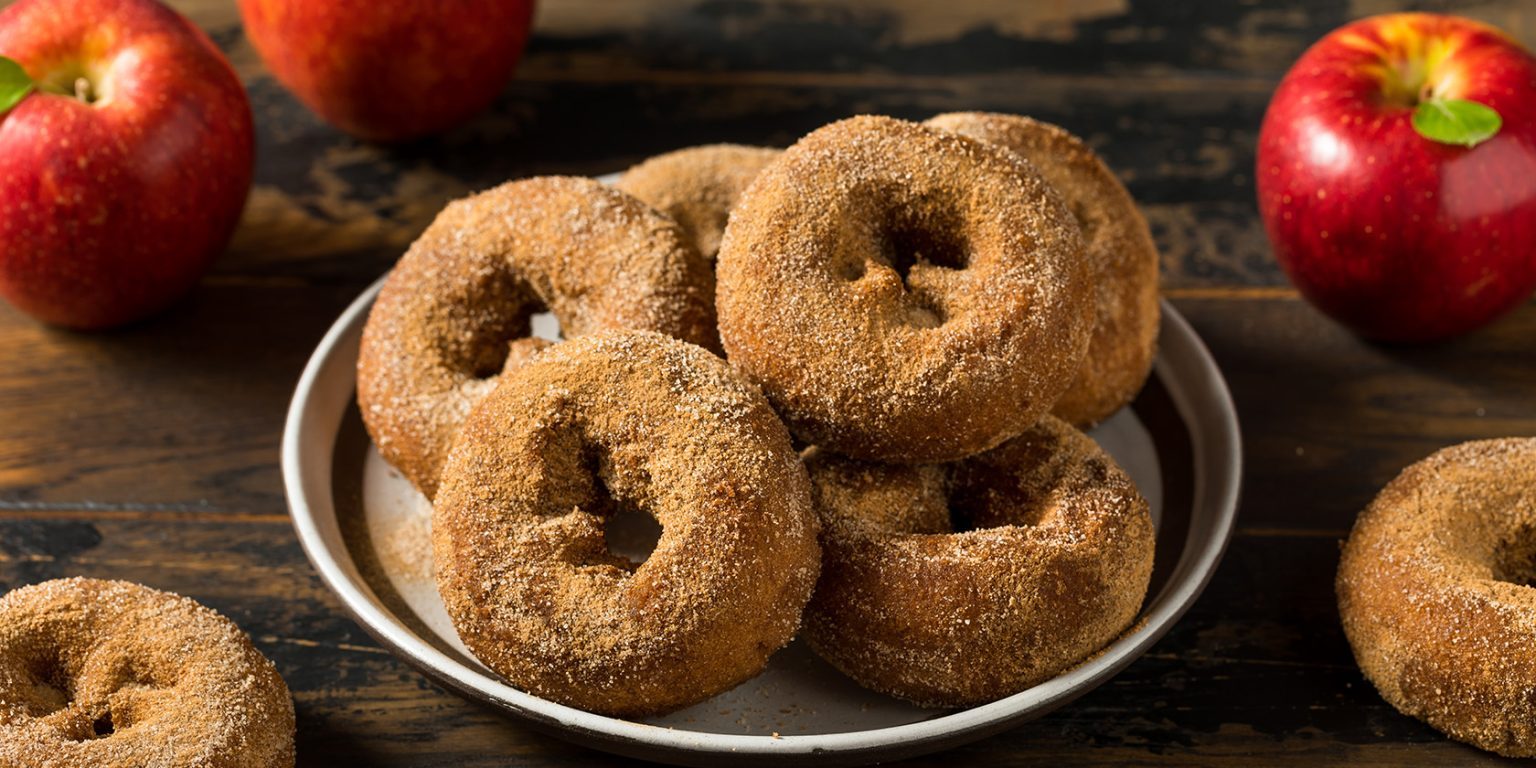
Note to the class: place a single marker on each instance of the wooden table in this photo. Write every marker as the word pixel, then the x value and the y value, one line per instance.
pixel 150 453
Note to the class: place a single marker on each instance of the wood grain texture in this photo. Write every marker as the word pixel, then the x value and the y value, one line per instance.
pixel 150 453
pixel 181 413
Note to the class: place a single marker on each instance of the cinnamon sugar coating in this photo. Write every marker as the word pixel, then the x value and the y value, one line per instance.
pixel 624 421
pixel 902 293
pixel 439 334
pixel 698 187
pixel 1434 592
pixel 1118 245
pixel 110 674
pixel 1052 564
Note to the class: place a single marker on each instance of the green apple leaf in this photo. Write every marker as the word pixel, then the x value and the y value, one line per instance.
pixel 1456 121
pixel 14 84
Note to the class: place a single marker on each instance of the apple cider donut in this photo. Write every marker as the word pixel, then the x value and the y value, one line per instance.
pixel 902 293
pixel 1051 566
pixel 605 423
pixel 698 186
pixel 1435 593
pixel 109 673
pixel 440 330
pixel 1117 244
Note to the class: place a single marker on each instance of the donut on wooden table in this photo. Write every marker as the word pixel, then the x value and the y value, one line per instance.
pixel 1434 592
pixel 109 673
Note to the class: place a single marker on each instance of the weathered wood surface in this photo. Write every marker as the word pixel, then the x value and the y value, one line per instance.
pixel 151 453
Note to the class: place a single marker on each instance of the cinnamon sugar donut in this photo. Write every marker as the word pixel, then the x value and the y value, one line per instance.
pixel 108 673
pixel 1117 243
pixel 1435 593
pixel 593 426
pixel 698 186
pixel 439 332
pixel 902 293
pixel 1053 564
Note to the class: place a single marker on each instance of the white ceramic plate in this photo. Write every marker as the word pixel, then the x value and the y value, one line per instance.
pixel 365 530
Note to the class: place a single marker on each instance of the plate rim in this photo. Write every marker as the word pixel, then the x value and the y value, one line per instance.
pixel 1213 432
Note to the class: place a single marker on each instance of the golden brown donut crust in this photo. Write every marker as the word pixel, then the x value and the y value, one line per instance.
pixel 1434 593
pixel 644 422
pixel 111 674
pixel 1117 242
pixel 1054 566
pixel 698 186
pixel 439 332
pixel 976 342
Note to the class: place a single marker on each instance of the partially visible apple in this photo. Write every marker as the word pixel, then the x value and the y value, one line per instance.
pixel 391 70
pixel 123 174
pixel 1401 237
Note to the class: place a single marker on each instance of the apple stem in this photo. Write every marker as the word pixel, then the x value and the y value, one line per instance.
pixel 83 90
pixel 1427 93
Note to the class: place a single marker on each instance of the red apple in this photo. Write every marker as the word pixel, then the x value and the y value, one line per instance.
pixel 123 173
pixel 390 70
pixel 1401 237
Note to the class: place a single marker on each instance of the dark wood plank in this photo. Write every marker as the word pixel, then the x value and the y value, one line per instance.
pixel 1328 419
pixel 181 413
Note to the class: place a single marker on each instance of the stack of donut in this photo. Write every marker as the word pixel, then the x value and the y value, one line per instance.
pixel 916 320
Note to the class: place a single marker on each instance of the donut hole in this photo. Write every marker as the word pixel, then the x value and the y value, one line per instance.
pixel 119 684
pixel 102 726
pixel 490 358
pixel 853 269
pixel 513 350
pixel 960 521
pixel 53 685
pixel 631 535
pixel 49 687
pixel 490 365
pixel 966 515
pixel 917 237
pixel 1514 559
pixel 983 495
pixel 972 511
pixel 542 324
pixel 908 243
pixel 492 310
